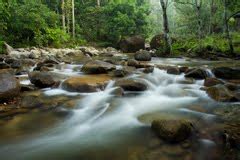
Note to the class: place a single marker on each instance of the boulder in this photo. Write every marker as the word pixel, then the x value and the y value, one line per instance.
pixel 132 63
pixel 183 69
pixel 42 79
pixel 132 44
pixel 85 84
pixel 209 82
pixel 143 55
pixel 35 54
pixel 148 70
pixel 227 73
pixel 120 73
pixel 196 73
pixel 221 93
pixel 172 130
pixel 35 99
pixel 91 51
pixel 9 85
pixel 16 64
pixel 157 41
pixel 131 85
pixel 173 70
pixel 97 67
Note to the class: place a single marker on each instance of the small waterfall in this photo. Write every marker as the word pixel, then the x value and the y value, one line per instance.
pixel 209 73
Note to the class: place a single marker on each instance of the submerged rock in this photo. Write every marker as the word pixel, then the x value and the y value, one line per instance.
pixel 131 85
pixel 209 82
pixel 143 55
pixel 221 93
pixel 196 73
pixel 85 84
pixel 9 85
pixel 97 67
pixel 172 130
pixel 231 125
pixel 132 44
pixel 42 79
pixel 227 73
pixel 36 99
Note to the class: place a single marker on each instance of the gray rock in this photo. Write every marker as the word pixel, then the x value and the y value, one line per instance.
pixel 9 85
pixel 143 55
pixel 132 44
pixel 97 67
pixel 42 79
pixel 131 85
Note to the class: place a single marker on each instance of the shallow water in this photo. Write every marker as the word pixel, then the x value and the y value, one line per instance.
pixel 103 126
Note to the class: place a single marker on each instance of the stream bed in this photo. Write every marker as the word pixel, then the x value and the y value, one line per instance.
pixel 103 126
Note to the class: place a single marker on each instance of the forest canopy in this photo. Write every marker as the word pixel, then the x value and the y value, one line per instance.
pixel 191 24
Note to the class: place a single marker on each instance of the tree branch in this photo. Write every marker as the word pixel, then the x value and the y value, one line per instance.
pixel 234 14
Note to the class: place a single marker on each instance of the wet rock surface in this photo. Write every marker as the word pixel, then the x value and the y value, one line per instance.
pixel 85 84
pixel 172 130
pixel 131 85
pixel 196 73
pixel 42 79
pixel 9 85
pixel 209 82
pixel 222 94
pixel 173 70
pixel 227 73
pixel 143 55
pixel 97 67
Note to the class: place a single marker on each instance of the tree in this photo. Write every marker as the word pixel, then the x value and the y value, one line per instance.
pixel 227 4
pixel 98 3
pixel 73 18
pixel 197 5
pixel 164 5
pixel 63 15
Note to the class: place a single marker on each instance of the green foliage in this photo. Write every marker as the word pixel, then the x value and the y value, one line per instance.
pixel 30 21
pixel 1 47
pixel 210 44
pixel 111 22
pixel 56 37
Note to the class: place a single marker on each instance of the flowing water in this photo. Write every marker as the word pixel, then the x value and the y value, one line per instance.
pixel 102 126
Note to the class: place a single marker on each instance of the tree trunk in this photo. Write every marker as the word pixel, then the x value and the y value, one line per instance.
pixel 198 12
pixel 63 16
pixel 167 38
pixel 226 26
pixel 98 3
pixel 73 19
pixel 211 17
